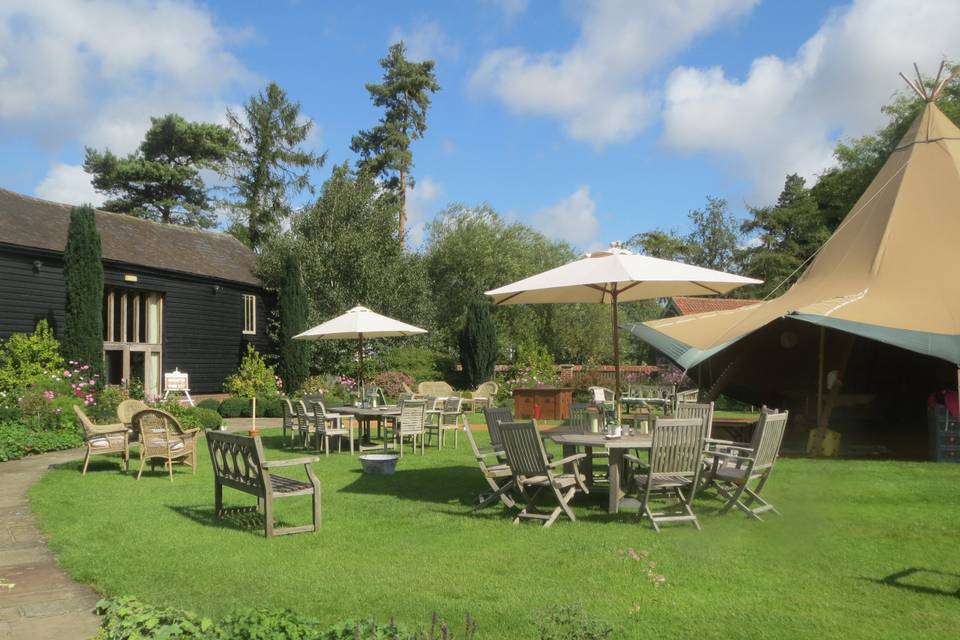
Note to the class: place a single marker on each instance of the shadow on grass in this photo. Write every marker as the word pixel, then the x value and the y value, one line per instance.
pixel 247 522
pixel 444 485
pixel 932 582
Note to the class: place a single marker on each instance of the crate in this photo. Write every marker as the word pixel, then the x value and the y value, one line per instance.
pixel 944 435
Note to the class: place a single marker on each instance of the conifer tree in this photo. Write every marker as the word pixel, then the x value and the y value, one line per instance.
pixel 478 343
pixel 294 364
pixel 83 276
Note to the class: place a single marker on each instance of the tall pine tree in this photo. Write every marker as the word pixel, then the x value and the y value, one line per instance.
pixel 478 343
pixel 269 163
pixel 83 276
pixel 404 96
pixel 294 364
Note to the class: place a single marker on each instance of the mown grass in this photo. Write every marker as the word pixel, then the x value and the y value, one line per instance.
pixel 408 545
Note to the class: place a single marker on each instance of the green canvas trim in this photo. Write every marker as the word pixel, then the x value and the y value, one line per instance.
pixel 681 353
pixel 939 345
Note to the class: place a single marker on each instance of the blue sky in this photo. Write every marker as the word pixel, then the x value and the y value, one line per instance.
pixel 591 121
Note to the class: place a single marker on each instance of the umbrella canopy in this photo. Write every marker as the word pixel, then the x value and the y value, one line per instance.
pixel 613 276
pixel 617 275
pixel 356 324
pixel 359 322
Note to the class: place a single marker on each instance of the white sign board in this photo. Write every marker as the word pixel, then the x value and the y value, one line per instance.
pixel 176 381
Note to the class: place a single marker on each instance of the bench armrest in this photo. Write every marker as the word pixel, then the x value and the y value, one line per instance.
pixel 292 462
pixel 728 456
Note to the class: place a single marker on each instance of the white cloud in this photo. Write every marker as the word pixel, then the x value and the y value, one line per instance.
pixel 69 184
pixel 784 116
pixel 572 219
pixel 596 88
pixel 426 41
pixel 421 204
pixel 94 72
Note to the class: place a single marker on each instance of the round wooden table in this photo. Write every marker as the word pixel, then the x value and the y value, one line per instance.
pixel 616 447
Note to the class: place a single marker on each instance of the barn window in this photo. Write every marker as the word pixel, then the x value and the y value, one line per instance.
pixel 249 313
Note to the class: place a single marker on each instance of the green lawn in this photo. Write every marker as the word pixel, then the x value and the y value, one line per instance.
pixel 407 545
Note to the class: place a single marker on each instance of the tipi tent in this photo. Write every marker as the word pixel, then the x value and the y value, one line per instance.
pixel 888 273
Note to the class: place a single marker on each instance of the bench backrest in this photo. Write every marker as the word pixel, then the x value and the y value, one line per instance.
pixel 237 461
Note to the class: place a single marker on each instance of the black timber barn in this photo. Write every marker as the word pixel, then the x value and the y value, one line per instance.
pixel 174 297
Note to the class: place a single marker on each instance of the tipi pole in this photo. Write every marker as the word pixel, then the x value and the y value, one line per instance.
pixel 820 376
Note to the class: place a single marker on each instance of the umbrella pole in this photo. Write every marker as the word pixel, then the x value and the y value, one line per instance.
pixel 616 359
pixel 360 365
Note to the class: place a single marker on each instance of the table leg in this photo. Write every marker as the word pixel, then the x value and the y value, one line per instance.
pixel 615 469
pixel 568 450
pixel 588 466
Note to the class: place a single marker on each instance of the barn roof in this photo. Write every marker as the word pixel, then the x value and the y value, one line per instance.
pixel 31 222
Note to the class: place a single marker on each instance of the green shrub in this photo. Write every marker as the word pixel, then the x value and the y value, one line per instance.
pixel 209 419
pixel 128 619
pixel 105 409
pixel 573 623
pixel 247 410
pixel 419 362
pixel 24 357
pixel 209 403
pixel 233 407
pixel 18 440
pixel 253 378
pixel 272 407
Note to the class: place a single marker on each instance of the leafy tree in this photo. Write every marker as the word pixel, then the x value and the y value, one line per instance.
pixel 478 343
pixel 404 96
pixel 349 255
pixel 83 277
pixel 269 162
pixel 785 235
pixel 161 180
pixel 294 365
pixel 712 241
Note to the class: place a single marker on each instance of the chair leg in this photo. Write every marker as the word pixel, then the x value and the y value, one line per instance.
pixel 86 461
pixel 218 499
pixel 326 445
pixel 268 516
pixel 170 468
pixel 316 510
pixel 142 462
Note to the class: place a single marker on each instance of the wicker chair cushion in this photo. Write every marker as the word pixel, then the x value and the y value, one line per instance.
pixel 103 442
pixel 174 444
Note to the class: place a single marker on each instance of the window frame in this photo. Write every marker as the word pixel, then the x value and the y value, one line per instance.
pixel 249 314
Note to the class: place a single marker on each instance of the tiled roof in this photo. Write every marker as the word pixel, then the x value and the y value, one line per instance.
pixel 41 224
pixel 686 305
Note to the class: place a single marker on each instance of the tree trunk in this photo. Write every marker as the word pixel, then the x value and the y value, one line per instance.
pixel 403 206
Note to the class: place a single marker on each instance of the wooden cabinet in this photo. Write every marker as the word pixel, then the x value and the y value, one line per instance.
pixel 553 402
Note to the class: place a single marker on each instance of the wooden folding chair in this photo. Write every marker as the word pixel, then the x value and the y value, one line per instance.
pixel 676 459
pixel 533 473
pixel 497 474
pixel 734 466
pixel 494 417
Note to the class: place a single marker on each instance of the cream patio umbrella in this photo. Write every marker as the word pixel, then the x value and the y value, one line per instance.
pixel 357 324
pixel 613 276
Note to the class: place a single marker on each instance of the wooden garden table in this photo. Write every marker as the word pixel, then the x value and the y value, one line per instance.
pixel 616 447
pixel 364 416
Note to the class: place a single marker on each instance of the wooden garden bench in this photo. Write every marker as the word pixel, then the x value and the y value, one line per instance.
pixel 239 463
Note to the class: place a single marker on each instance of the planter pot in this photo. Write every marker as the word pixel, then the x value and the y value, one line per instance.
pixel 383 464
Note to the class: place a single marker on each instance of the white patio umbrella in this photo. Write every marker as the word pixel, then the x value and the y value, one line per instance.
pixel 617 275
pixel 356 324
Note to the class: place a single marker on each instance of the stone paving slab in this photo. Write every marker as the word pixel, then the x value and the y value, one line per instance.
pixel 44 604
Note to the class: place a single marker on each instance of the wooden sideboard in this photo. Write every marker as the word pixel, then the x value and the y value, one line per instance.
pixel 554 402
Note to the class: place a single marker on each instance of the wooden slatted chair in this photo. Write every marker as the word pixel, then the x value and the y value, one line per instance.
pixel 103 438
pixel 494 417
pixel 290 421
pixel 239 463
pixel 533 473
pixel 162 438
pixel 701 410
pixel 581 421
pixel 676 455
pixel 448 419
pixel 411 423
pixel 326 424
pixel 734 466
pixel 496 473
pixel 305 424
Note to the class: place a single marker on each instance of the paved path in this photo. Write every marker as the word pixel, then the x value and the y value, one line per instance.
pixel 44 604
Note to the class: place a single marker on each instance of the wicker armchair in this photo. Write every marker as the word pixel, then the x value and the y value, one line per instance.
pixel 482 397
pixel 103 438
pixel 129 408
pixel 162 438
